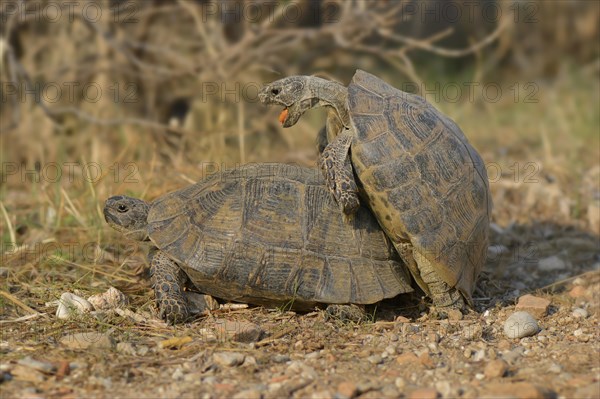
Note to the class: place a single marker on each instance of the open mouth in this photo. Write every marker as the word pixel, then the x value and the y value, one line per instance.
pixel 283 115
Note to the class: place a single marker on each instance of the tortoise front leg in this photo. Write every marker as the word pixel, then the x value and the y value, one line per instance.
pixel 168 281
pixel 339 175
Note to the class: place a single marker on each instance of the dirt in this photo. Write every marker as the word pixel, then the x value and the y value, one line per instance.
pixel 400 352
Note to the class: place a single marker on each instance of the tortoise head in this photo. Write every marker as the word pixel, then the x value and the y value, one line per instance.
pixel 127 215
pixel 298 94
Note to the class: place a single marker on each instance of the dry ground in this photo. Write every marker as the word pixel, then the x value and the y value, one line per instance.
pixel 546 194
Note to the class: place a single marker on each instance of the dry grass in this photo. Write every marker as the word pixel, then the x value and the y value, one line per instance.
pixel 546 191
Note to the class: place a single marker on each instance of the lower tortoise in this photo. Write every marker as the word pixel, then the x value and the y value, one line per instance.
pixel 266 234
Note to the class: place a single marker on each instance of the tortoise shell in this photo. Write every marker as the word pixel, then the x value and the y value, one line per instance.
pixel 422 178
pixel 271 234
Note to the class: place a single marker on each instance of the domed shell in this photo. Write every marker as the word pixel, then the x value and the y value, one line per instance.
pixel 271 234
pixel 424 181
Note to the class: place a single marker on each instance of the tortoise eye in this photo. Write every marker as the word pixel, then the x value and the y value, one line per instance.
pixel 122 208
pixel 275 92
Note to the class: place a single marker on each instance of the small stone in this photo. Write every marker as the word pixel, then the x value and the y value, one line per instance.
pixel 24 373
pixel 3 272
pixel 426 360
pixel 495 369
pixel 407 359
pixel 444 388
pixel 177 374
pixel 479 355
pixel 142 350
pixel 126 348
pixel 580 313
pixel 520 390
pixel 578 332
pixel 320 395
pixel 424 393
pixel 347 389
pixel 520 325
pixel 536 306
pixel 70 305
pixel 238 331
pixel 454 314
pixel 91 339
pixel 400 383
pixel 111 299
pixel 555 368
pixel 375 359
pixel 281 358
pixel 299 345
pixel 248 394
pixel 514 355
pixel 402 319
pixel 38 365
pixel 496 250
pixel 228 359
pixel 551 263
pixel 577 292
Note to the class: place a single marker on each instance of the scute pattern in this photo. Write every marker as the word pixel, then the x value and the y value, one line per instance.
pixel 272 234
pixel 423 179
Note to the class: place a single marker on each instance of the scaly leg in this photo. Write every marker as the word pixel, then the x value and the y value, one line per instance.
pixel 443 296
pixel 339 175
pixel 168 280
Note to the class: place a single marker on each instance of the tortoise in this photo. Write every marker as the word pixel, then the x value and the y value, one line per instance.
pixel 412 165
pixel 265 234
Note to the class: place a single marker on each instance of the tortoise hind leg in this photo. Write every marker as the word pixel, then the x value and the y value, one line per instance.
pixel 339 175
pixel 168 280
pixel 443 295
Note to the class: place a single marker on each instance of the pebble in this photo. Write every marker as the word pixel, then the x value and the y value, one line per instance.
pixel 551 263
pixel 580 313
pixel 495 250
pixel 177 374
pixel 555 368
pixel 281 358
pixel 424 393
pixel 248 394
pixel 444 388
pixel 519 390
pixel 70 305
pixel 347 389
pixel 375 359
pixel 454 314
pixel 228 359
pixel 514 355
pixel 38 365
pixel 536 306
pixel 126 348
pixel 238 331
pixel 520 325
pixel 577 292
pixel 111 299
pixel 495 369
pixel 407 358
pixel 91 339
pixel 24 373
pixel 3 272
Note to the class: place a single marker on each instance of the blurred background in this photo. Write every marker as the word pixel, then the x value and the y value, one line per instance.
pixel 141 98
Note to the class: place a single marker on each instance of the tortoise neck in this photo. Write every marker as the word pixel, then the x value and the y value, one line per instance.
pixel 333 96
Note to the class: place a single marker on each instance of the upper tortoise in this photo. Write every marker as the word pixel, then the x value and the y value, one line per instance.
pixel 417 171
pixel 266 234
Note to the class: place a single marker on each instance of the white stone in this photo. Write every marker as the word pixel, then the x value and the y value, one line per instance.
pixel 520 325
pixel 70 305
